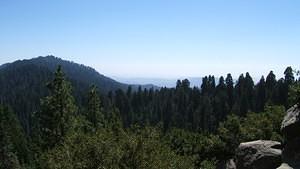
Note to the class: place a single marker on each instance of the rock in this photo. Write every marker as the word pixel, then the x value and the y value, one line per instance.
pixel 291 152
pixel 226 164
pixel 230 164
pixel 284 166
pixel 291 132
pixel 290 126
pixel 261 154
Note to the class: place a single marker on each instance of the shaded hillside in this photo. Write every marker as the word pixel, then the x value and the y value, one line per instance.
pixel 23 83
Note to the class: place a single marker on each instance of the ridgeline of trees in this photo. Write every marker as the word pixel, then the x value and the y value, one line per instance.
pixel 202 109
pixel 178 128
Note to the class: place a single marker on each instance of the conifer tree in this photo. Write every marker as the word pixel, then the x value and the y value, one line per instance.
pixel 260 91
pixel 270 87
pixel 289 76
pixel 12 141
pixel 249 87
pixel 220 105
pixel 94 114
pixel 289 79
pixel 230 91
pixel 57 110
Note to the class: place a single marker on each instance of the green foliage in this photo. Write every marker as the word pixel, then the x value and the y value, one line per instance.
pixel 82 151
pixel 229 131
pixel 138 149
pixel 94 114
pixel 202 108
pixel 57 110
pixel 208 164
pixel 13 144
pixel 294 94
pixel 264 125
pixel 189 135
pixel 196 145
pixel 22 84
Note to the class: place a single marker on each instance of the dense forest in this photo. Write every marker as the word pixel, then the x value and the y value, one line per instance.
pixel 23 83
pixel 202 109
pixel 138 128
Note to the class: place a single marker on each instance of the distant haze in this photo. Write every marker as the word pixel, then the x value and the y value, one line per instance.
pixel 160 82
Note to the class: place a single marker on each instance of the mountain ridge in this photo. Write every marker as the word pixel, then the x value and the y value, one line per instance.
pixel 23 83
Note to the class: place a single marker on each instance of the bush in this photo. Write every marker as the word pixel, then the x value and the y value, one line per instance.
pixel 140 149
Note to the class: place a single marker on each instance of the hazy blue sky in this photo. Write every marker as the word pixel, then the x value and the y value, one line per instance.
pixel 156 38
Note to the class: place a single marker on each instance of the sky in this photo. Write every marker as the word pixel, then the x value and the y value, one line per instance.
pixel 156 38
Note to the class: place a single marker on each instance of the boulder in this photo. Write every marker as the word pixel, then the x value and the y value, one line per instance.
pixel 261 154
pixel 230 164
pixel 226 164
pixel 291 132
pixel 284 166
pixel 290 126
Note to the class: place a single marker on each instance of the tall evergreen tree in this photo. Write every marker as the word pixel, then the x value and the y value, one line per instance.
pixel 208 85
pixel 208 116
pixel 204 85
pixel 13 145
pixel 249 87
pixel 220 105
pixel 270 87
pixel 230 90
pixel 123 104
pixel 94 114
pixel 260 96
pixel 212 84
pixel 289 76
pixel 280 95
pixel 240 97
pixel 240 86
pixel 289 79
pixel 57 110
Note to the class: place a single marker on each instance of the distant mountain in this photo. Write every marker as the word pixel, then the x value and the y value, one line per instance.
pixel 23 83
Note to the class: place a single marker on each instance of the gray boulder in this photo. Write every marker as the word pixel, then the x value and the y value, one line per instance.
pixel 291 132
pixel 290 126
pixel 284 166
pixel 261 154
pixel 230 164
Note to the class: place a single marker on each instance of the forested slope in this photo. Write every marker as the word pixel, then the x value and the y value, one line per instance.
pixel 179 127
pixel 23 83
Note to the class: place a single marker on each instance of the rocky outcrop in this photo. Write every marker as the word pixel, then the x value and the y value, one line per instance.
pixel 230 164
pixel 261 154
pixel 291 133
pixel 284 166
pixel 264 154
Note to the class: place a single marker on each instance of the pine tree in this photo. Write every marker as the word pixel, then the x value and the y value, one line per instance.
pixel 11 140
pixel 241 104
pixel 94 114
pixel 208 117
pixel 289 79
pixel 270 87
pixel 205 86
pixel 57 110
pixel 260 100
pixel 220 105
pixel 230 90
pixel 249 89
pixel 289 76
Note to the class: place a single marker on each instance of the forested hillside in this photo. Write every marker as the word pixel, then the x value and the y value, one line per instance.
pixel 23 83
pixel 180 127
